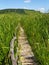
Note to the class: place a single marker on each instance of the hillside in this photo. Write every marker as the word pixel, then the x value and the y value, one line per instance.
pixel 36 28
pixel 19 11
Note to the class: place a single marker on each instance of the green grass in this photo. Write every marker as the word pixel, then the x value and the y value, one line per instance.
pixel 8 23
pixel 36 27
pixel 37 30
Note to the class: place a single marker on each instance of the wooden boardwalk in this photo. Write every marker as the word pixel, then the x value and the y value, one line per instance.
pixel 26 54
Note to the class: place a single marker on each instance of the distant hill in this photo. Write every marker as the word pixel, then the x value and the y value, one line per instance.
pixel 12 10
pixel 20 11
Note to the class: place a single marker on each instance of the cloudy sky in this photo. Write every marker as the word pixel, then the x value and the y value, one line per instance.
pixel 41 5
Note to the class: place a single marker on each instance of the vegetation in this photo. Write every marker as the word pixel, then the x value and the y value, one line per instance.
pixel 8 23
pixel 36 26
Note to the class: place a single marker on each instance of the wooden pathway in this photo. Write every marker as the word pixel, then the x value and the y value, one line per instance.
pixel 25 52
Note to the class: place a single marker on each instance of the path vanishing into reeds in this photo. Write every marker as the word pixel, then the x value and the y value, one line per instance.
pixel 26 56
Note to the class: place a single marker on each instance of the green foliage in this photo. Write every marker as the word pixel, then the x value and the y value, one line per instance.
pixel 37 30
pixel 8 23
pixel 36 27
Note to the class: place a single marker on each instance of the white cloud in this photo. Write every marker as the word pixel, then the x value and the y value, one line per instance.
pixel 25 8
pixel 41 10
pixel 27 1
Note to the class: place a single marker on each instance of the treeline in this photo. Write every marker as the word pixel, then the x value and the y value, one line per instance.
pixel 20 11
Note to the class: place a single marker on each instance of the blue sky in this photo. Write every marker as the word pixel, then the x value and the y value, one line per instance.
pixel 41 5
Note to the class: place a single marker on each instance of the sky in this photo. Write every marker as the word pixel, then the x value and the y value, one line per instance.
pixel 42 5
